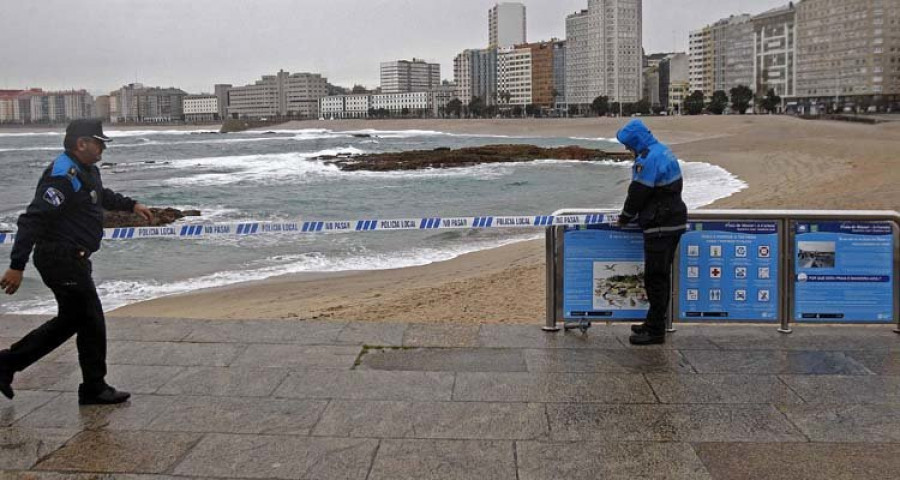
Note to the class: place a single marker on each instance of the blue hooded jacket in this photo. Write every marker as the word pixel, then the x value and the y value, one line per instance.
pixel 654 196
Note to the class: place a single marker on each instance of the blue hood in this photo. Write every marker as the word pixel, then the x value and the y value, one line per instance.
pixel 636 136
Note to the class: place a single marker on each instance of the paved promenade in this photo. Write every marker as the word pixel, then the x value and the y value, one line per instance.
pixel 315 400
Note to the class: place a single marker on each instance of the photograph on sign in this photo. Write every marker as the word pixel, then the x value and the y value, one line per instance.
pixel 619 286
pixel 815 254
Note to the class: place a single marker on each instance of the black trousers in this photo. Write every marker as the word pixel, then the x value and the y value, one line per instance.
pixel 659 253
pixel 67 271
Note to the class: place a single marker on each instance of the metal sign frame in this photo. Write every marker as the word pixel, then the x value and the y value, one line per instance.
pixel 555 244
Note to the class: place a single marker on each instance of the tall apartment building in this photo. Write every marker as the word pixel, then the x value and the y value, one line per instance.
pixel 136 103
pixel 848 51
pixel 775 51
pixel 603 52
pixel 674 81
pixel 733 52
pixel 475 75
pixel 101 107
pixel 559 73
pixel 514 76
pixel 701 61
pixel 403 76
pixel 284 94
pixel 220 90
pixel 506 25
pixel 722 55
pixel 543 72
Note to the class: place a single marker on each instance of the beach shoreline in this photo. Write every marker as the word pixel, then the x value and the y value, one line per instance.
pixel 787 163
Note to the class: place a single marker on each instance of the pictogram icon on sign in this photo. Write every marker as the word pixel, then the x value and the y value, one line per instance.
pixel 715 272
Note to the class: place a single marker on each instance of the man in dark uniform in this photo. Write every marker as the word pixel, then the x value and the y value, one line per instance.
pixel 64 226
pixel 654 201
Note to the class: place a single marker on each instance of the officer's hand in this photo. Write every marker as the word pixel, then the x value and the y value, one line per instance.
pixel 11 281
pixel 142 210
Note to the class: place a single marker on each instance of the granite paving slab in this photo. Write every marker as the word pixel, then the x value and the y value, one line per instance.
pixel 148 329
pixel 299 356
pixel 17 326
pixel 721 389
pixel 531 336
pixel 609 461
pixel 845 389
pixel 266 331
pixel 43 375
pixel 606 361
pixel 267 456
pixel 440 335
pixel 239 415
pixel 21 448
pixel 846 423
pixel 131 378
pixel 552 387
pixel 444 460
pixel 435 420
pixel 126 452
pixel 373 333
pixel 172 353
pixel 670 423
pixel 800 461
pixel 879 362
pixel 64 412
pixel 368 385
pixel 24 403
pixel 225 381
pixel 817 339
pixel 445 360
pixel 775 362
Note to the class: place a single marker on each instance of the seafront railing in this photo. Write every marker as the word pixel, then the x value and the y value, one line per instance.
pixel 762 266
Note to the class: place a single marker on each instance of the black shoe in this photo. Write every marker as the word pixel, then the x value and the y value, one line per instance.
pixel 639 327
pixel 647 338
pixel 107 396
pixel 6 379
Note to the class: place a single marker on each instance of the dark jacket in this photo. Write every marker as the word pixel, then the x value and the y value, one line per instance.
pixel 67 209
pixel 654 196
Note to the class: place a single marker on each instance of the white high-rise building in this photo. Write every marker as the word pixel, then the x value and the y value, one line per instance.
pixel 406 76
pixel 603 52
pixel 514 69
pixel 506 25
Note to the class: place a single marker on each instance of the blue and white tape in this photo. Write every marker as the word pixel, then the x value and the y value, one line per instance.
pixel 201 230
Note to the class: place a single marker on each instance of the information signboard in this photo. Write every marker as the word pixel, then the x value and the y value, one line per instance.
pixel 603 273
pixel 843 272
pixel 728 271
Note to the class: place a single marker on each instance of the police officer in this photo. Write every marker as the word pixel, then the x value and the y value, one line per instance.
pixel 64 225
pixel 654 201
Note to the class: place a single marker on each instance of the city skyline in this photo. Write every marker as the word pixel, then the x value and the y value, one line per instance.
pixel 334 38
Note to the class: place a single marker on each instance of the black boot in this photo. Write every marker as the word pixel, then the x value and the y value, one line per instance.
pixel 647 338
pixel 639 327
pixel 6 379
pixel 106 396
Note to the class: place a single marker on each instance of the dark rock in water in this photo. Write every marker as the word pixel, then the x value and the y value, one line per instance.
pixel 362 135
pixel 467 157
pixel 161 216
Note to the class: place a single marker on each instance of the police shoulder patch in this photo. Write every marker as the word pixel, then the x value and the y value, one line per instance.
pixel 53 197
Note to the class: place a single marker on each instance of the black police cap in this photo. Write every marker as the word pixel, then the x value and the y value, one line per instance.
pixel 88 127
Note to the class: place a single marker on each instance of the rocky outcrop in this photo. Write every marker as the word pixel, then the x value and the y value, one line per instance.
pixel 161 216
pixel 467 157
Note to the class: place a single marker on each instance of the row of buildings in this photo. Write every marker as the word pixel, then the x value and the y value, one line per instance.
pixel 810 53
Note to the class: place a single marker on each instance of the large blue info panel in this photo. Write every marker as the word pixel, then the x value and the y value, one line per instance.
pixel 843 272
pixel 603 274
pixel 729 272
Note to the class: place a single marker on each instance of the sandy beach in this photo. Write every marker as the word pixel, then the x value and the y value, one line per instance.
pixel 788 163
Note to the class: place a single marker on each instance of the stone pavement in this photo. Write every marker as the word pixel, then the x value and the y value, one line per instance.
pixel 316 400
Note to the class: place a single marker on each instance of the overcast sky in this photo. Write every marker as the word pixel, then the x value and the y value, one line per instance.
pixel 192 44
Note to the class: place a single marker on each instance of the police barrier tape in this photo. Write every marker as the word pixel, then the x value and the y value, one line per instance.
pixel 201 230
